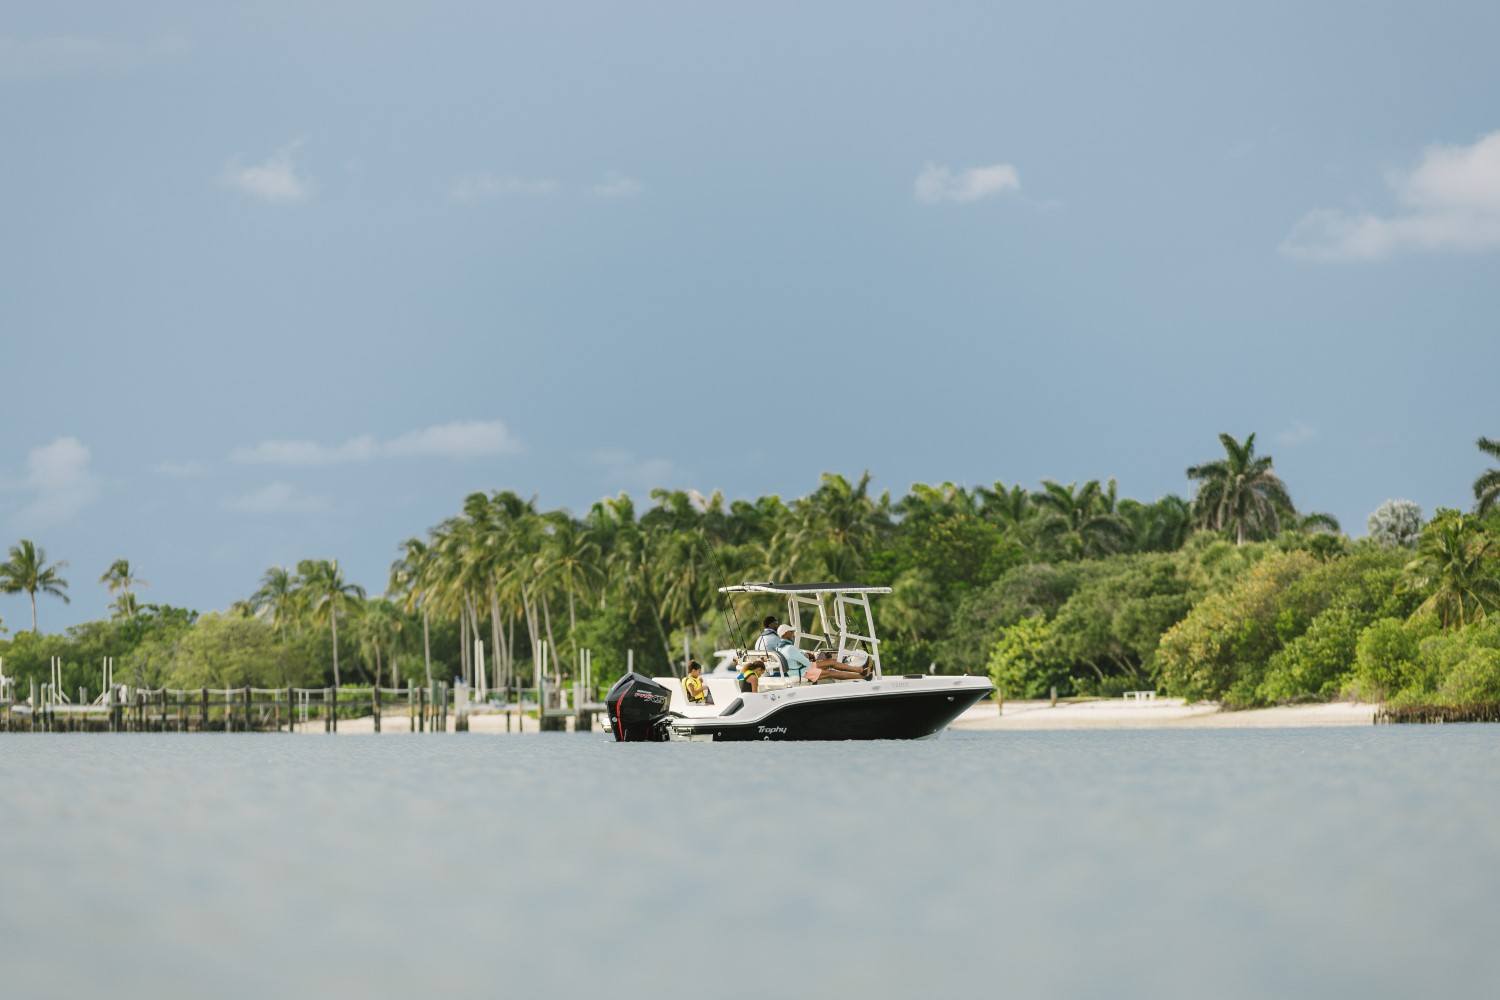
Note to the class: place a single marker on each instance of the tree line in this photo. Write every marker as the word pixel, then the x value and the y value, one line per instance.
pixel 1233 593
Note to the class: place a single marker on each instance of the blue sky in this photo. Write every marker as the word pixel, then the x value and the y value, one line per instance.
pixel 284 282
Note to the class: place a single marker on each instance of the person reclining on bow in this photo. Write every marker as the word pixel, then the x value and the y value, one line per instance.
pixel 829 667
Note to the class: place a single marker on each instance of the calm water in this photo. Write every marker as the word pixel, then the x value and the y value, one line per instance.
pixel 1331 863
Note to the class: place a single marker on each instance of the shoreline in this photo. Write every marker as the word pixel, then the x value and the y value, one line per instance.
pixel 1034 716
pixel 1163 713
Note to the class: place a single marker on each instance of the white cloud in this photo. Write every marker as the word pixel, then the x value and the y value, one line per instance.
pixel 1298 434
pixel 181 470
pixel 616 185
pixel 78 55
pixel 357 449
pixel 1450 201
pixel 277 498
pixel 458 440
pixel 626 469
pixel 461 439
pixel 937 184
pixel 486 186
pixel 57 484
pixel 275 181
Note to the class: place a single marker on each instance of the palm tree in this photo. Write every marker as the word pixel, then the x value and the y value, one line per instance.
pixel 1081 523
pixel 1162 526
pixel 928 503
pixel 630 563
pixel 839 523
pixel 1456 562
pixel 327 594
pixel 1487 486
pixel 119 578
pixel 492 557
pixel 684 560
pixel 27 570
pixel 1240 491
pixel 410 584
pixel 1006 507
pixel 379 627
pixel 1318 523
pixel 124 606
pixel 277 600
pixel 572 560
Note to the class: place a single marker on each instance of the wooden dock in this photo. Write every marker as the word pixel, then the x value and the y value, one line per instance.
pixel 412 709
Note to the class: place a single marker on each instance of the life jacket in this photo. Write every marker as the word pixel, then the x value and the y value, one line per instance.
pixel 694 689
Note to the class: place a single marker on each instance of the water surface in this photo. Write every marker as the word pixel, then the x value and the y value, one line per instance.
pixel 1354 862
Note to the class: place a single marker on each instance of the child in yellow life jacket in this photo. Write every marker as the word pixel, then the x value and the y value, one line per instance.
pixel 693 686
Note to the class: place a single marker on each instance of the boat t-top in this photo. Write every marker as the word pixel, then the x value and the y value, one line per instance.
pixel 830 622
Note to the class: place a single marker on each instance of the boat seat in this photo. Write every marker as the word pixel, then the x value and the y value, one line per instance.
pixel 679 700
pixel 723 691
pixel 774 661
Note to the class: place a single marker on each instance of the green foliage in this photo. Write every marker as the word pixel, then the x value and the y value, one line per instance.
pixel 1287 631
pixel 234 651
pixel 609 634
pixel 1019 663
pixel 1388 658
pixel 1220 648
pixel 1025 591
pixel 1312 666
pixel 1315 663
pixel 83 648
pixel 1416 661
pixel 1457 567
pixel 1106 634
pixel 1467 664
pixel 1079 523
pixel 943 537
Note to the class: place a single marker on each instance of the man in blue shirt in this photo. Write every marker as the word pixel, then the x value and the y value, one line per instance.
pixel 768 640
pixel 796 660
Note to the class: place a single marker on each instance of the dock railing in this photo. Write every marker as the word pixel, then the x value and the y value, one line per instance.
pixel 414 708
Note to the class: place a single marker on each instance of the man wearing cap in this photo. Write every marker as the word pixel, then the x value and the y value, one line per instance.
pixel 796 661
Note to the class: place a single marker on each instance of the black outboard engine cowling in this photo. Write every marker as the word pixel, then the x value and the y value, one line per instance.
pixel 638 709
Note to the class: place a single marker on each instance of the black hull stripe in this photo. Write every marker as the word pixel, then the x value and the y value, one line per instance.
pixel 876 717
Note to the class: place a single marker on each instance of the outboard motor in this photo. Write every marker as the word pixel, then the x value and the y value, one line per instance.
pixel 637 708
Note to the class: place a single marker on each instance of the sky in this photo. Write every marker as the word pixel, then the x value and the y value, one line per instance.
pixel 287 280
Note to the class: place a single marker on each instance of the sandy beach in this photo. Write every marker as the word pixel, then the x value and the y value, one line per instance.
pixel 1161 713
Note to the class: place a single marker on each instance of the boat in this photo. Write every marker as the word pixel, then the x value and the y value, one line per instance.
pixel 830 621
